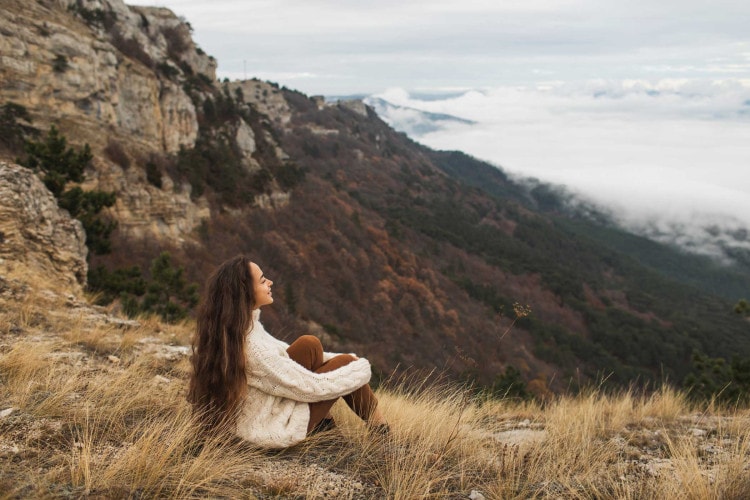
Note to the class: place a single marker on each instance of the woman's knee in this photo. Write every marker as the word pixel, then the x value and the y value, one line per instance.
pixel 310 341
pixel 307 351
pixel 342 360
pixel 345 358
pixel 336 362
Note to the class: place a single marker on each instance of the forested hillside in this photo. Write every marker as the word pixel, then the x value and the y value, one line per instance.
pixel 418 259
pixel 595 309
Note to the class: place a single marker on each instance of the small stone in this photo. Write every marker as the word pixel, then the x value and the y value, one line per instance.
pixel 161 379
pixel 113 359
pixel 6 412
pixel 697 432
pixel 6 452
pixel 475 495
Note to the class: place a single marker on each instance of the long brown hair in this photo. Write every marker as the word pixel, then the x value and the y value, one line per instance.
pixel 218 384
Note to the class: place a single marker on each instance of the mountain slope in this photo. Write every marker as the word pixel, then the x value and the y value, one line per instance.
pixel 595 309
pixel 412 257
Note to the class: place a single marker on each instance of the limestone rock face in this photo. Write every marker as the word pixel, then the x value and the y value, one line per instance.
pixel 35 231
pixel 62 67
pixel 245 138
pixel 181 125
pixel 117 78
pixel 167 34
pixel 274 200
pixel 144 211
pixel 109 74
pixel 266 98
pixel 355 105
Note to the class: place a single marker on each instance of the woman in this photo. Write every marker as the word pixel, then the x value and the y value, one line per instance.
pixel 268 392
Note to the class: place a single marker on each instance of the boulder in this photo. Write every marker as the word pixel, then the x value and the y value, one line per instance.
pixel 35 232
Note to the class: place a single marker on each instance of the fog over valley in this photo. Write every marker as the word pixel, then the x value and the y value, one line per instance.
pixel 668 159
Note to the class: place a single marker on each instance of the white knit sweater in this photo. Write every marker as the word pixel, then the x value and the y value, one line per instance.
pixel 276 412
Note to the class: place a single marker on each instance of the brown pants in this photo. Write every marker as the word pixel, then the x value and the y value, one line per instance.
pixel 308 351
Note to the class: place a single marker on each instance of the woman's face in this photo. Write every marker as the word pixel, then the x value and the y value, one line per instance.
pixel 261 286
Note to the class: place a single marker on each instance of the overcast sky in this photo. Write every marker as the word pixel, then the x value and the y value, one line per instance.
pixel 354 46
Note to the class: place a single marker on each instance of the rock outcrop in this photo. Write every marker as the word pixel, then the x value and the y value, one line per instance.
pixel 145 211
pixel 97 64
pixel 266 98
pixel 131 79
pixel 106 72
pixel 35 232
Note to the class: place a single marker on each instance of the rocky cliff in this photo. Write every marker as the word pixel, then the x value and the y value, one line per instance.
pixel 125 80
pixel 94 65
pixel 35 233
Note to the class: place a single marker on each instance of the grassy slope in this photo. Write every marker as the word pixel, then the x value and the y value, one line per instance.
pixel 98 409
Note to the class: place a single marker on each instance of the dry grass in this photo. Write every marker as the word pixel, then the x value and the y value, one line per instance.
pixel 99 411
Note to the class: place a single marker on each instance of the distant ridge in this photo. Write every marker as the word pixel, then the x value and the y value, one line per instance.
pixel 412 121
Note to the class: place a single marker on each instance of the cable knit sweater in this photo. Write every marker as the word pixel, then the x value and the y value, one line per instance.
pixel 276 412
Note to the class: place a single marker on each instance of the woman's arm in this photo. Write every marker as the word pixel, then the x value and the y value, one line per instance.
pixel 327 356
pixel 279 375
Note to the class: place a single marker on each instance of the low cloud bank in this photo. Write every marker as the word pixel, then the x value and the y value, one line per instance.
pixel 668 159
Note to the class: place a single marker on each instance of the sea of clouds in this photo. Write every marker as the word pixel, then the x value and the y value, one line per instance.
pixel 668 159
